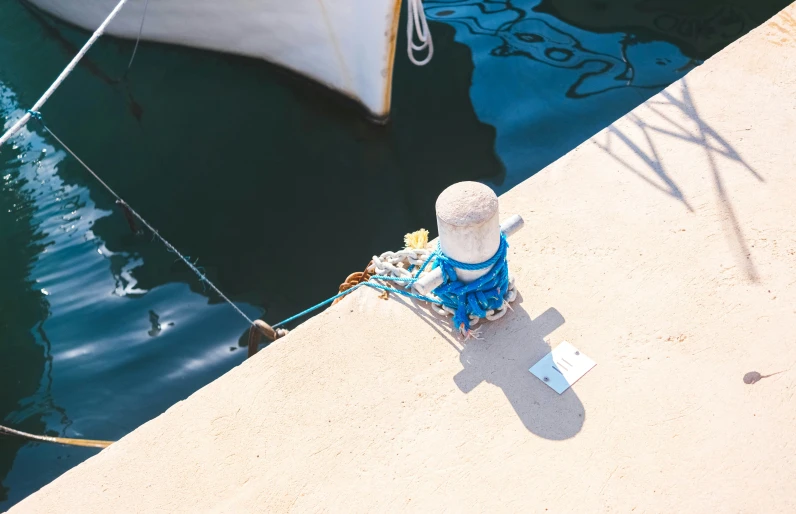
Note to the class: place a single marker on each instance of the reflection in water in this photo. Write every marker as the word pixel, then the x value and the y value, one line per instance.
pixel 551 73
pixel 699 28
pixel 22 361
pixel 548 41
pixel 50 28
pixel 254 172
pixel 238 165
pixel 75 303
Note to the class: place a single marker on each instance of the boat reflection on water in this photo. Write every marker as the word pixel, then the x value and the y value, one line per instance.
pixel 23 362
pixel 602 64
pixel 699 28
pixel 549 74
pixel 78 335
pixel 277 188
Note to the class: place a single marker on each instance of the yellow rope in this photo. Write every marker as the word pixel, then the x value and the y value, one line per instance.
pixel 88 443
pixel 417 240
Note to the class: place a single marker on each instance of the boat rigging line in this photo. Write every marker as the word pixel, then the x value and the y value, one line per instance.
pixel 64 74
pixel 138 39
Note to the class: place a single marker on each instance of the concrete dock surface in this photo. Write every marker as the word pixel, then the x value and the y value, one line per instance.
pixel 664 248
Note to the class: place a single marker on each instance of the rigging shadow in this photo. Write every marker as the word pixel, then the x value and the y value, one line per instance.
pixel 503 356
pixel 666 121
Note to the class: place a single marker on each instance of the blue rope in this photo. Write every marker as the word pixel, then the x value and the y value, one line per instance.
pixel 476 298
pixel 318 306
pixel 374 285
pixel 479 296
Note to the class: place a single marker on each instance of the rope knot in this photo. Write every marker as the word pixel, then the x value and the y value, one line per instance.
pixel 35 115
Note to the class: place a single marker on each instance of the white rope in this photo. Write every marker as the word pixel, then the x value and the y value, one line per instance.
pixel 47 94
pixel 417 26
pixel 399 264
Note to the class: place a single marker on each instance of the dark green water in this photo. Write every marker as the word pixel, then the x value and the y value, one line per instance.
pixel 275 186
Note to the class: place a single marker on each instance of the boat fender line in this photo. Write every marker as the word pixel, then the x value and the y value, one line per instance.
pixel 417 29
pixel 64 74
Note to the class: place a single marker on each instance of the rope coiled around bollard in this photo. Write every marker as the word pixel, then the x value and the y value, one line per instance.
pixel 478 297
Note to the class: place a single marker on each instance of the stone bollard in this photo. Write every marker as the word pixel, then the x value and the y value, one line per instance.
pixel 469 230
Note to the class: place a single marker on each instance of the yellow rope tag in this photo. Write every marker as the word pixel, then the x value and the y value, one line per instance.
pixel 417 240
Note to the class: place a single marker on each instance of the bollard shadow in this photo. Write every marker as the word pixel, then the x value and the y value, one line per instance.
pixel 503 356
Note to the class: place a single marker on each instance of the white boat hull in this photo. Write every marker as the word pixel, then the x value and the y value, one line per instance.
pixel 347 45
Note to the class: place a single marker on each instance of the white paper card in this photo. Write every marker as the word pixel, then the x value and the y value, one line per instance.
pixel 562 367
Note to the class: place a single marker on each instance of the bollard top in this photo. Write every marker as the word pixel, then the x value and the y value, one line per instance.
pixel 467 204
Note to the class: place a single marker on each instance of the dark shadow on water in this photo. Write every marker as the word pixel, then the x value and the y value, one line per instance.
pixel 700 28
pixel 667 123
pixel 278 188
pixel 549 74
pixel 255 173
